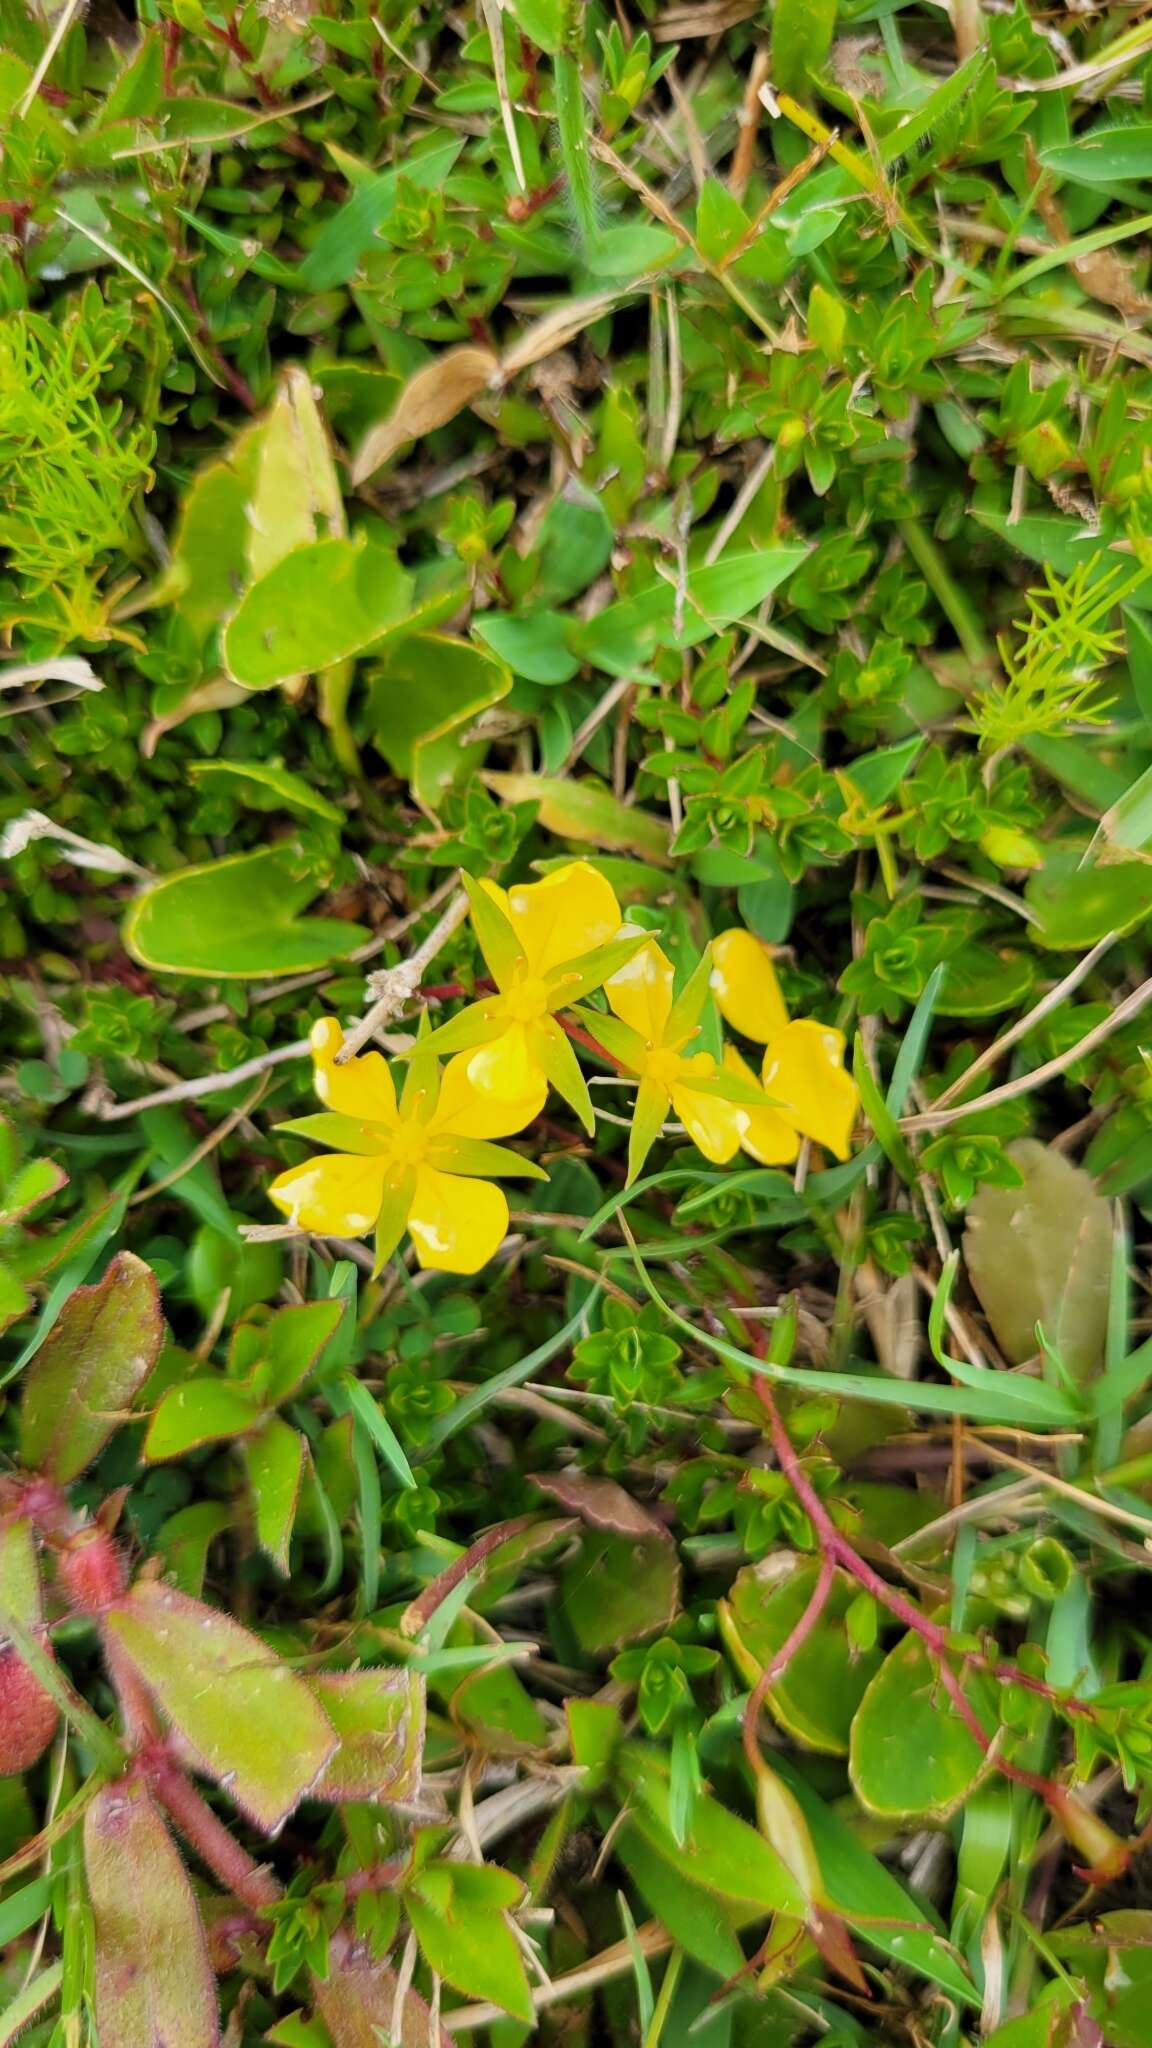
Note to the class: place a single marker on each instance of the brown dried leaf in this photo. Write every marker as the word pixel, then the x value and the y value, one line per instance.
pixel 432 397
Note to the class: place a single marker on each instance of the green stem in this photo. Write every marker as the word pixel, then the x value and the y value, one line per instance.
pixel 952 600
pixel 572 119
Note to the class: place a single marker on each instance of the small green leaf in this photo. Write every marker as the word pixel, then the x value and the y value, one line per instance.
pixel 270 785
pixel 425 696
pixel 1076 906
pixel 1105 155
pixel 468 1943
pixel 237 920
pixel 275 1458
pixel 317 606
pixel 584 812
pixel 90 1368
pixel 373 1419
pixel 250 1720
pixel 911 1754
pixel 296 499
pixel 624 1582
pixel 379 1717
pixel 200 1412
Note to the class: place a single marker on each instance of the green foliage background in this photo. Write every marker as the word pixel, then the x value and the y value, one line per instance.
pixel 713 441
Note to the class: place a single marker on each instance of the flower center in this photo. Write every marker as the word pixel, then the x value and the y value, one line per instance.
pixel 408 1143
pixel 669 1067
pixel 526 1000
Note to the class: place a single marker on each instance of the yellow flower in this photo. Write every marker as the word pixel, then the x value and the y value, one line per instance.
pixel 422 1163
pixel 803 1069
pixel 546 944
pixel 649 1037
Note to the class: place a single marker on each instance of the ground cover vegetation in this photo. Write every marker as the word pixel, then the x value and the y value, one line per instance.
pixel 576 1156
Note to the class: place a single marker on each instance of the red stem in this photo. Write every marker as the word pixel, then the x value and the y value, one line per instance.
pixel 836 1549
pixel 781 1658
pixel 420 1612
pixel 231 1865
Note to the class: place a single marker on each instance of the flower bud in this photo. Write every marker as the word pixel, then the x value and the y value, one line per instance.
pixel 28 1716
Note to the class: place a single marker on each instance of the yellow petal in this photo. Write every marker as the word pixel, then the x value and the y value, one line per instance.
pixel 456 1224
pixel 804 1072
pixel 743 981
pixel 640 992
pixel 764 1133
pixel 713 1126
pixel 336 1194
pixel 568 913
pixel 465 1111
pixel 361 1088
pixel 506 1072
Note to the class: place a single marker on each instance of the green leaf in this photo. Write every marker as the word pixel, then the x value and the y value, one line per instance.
pixel 1076 906
pixel 801 40
pixel 815 1698
pixel 200 1412
pixel 236 920
pixel 626 634
pixel 468 1943
pixel 1057 543
pixel 291 1345
pixel 424 697
pixel 90 1368
pixel 1138 633
pixel 1103 155
pixel 379 1717
pixel 153 1978
pixel 253 1724
pixel 700 1923
pixel 1042 1253
pixel 872 1901
pixel 574 544
pixel 986 981
pixel 271 784
pixel 582 811
pixel 911 1755
pixel 210 545
pixel 483 1160
pixel 1113 1952
pixel 373 1419
pixel 316 606
pixel 342 241
pixel 29 1186
pixel 173 1143
pixel 275 1458
pixel 535 644
pixel 722 1853
pixel 499 1713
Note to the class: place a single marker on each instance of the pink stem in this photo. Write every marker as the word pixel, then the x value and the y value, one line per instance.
pixel 837 1550
pixel 229 1863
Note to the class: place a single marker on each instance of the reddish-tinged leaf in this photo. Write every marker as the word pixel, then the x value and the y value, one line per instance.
pixel 379 1717
pixel 154 1984
pixel 254 1725
pixel 90 1368
pixel 358 2003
